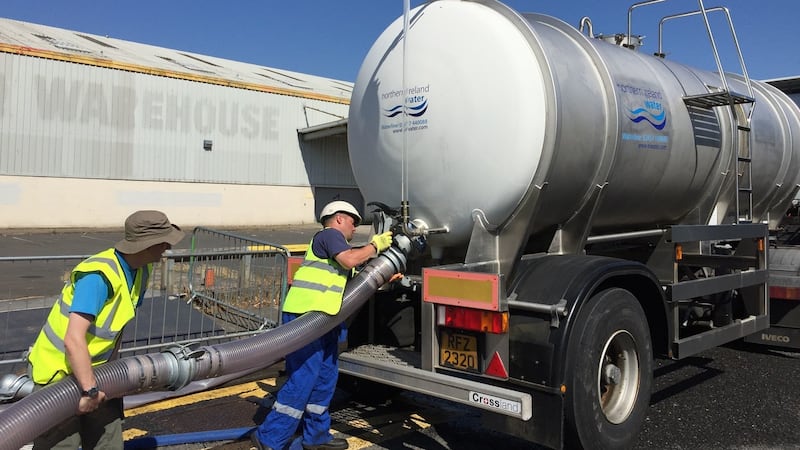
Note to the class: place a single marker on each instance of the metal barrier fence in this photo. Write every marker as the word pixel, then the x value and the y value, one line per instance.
pixel 224 287
pixel 239 281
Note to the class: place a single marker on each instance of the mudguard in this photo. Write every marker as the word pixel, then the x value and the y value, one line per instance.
pixel 538 343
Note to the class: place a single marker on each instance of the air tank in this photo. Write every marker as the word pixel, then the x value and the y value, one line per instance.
pixel 501 104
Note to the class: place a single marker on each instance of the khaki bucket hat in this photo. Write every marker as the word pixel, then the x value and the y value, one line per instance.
pixel 144 229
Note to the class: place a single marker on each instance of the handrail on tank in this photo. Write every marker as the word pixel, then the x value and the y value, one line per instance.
pixel 630 13
pixel 586 22
pixel 629 235
pixel 704 12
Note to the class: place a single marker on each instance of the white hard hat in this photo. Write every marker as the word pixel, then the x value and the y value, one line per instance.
pixel 339 206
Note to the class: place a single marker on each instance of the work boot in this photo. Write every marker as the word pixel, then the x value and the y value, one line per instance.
pixel 333 444
pixel 257 444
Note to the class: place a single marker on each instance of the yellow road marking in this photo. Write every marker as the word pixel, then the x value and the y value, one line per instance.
pixel 420 421
pixel 293 248
pixel 296 248
pixel 132 433
pixel 354 443
pixel 242 390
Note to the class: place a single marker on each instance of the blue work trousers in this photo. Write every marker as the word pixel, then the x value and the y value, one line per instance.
pixel 305 397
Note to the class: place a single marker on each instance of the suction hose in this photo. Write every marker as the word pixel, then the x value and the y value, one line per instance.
pixel 24 420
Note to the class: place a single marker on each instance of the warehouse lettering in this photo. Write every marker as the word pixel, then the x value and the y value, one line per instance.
pixel 183 114
pixel 124 108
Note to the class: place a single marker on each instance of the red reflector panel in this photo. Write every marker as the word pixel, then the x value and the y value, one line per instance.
pixel 784 293
pixel 496 367
pixel 474 319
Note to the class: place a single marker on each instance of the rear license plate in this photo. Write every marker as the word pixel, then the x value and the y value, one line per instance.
pixel 459 351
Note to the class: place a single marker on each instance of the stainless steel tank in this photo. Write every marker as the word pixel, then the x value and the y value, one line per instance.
pixel 502 104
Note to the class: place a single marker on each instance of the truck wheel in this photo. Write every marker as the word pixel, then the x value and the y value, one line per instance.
pixel 609 372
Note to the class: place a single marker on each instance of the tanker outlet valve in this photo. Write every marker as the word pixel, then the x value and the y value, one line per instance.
pixel 398 220
pixel 408 236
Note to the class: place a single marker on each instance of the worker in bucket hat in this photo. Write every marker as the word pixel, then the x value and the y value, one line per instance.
pixel 312 371
pixel 84 327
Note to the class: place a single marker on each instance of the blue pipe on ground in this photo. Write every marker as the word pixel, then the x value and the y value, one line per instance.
pixel 148 442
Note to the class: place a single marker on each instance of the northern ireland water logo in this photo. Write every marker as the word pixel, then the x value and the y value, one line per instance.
pixel 651 112
pixel 414 101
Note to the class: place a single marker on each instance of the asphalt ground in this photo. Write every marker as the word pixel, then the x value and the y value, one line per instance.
pixel 738 396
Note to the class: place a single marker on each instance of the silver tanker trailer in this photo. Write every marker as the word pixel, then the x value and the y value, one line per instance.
pixel 585 206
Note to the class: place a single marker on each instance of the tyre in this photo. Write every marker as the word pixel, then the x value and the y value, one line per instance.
pixel 609 372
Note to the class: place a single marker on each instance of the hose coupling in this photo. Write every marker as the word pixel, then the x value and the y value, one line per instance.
pixel 15 387
pixel 183 365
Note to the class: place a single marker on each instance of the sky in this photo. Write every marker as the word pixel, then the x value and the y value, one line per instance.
pixel 330 38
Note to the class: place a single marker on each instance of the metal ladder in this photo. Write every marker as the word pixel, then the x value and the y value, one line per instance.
pixel 721 97
pixel 744 159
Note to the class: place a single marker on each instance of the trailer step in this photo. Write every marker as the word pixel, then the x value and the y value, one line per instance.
pixel 397 367
pixel 692 345
pixel 390 355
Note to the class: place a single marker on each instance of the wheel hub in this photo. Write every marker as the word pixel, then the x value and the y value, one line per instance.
pixel 618 377
pixel 612 374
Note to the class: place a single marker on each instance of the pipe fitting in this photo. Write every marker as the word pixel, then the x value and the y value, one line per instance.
pixel 183 366
pixel 14 387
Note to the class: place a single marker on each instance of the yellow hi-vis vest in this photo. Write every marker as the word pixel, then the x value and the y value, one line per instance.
pixel 318 285
pixel 48 357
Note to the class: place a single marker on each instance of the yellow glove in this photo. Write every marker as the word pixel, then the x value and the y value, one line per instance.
pixel 382 241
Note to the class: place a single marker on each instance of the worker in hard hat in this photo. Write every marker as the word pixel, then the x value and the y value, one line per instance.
pixel 84 327
pixel 313 370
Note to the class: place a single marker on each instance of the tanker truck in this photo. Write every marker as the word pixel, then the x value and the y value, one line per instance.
pixel 577 208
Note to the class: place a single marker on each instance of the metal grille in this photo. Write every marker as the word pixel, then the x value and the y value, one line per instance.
pixel 239 281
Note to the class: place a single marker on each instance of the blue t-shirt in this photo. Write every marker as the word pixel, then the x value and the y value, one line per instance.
pixel 328 243
pixel 92 292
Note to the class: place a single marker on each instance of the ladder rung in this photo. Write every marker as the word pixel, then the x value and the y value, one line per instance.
pixel 747 190
pixel 744 159
pixel 743 128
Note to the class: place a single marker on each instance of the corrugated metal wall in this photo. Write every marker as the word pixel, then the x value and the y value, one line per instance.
pixel 62 119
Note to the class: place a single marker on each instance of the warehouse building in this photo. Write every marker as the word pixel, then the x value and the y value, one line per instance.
pixel 92 128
